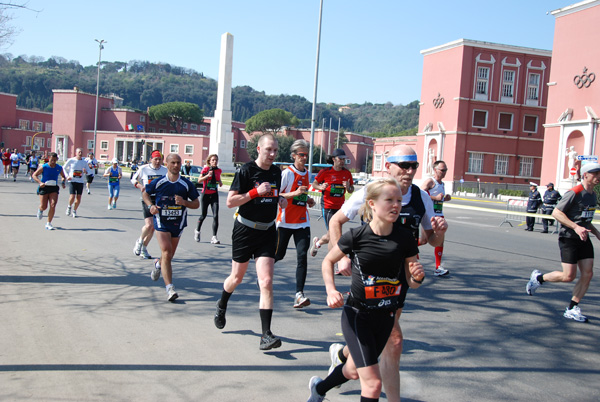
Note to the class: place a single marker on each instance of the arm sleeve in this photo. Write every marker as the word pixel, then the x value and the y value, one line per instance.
pixel 429 212
pixel 287 177
pixel 345 242
pixel 352 205
pixel 135 177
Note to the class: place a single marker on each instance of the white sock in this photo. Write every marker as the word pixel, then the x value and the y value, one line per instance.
pixel 169 286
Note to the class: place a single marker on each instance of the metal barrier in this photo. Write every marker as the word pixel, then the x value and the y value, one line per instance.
pixel 317 196
pixel 516 211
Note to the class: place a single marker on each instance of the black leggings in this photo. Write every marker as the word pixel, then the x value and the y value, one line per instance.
pixel 302 241
pixel 213 201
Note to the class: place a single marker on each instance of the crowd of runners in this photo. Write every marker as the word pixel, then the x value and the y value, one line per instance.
pixel 271 207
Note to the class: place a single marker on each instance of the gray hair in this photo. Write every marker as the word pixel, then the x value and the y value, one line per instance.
pixel 298 144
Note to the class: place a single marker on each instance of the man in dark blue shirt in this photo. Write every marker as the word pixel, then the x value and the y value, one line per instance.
pixel 532 205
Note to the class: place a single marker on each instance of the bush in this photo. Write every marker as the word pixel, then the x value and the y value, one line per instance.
pixel 512 193
pixel 466 189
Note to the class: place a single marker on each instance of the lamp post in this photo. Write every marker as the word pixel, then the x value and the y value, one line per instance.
pixel 314 103
pixel 100 46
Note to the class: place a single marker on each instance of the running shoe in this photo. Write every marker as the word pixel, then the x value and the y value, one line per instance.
pixel 155 274
pixel 197 235
pixel 314 395
pixel 575 314
pixel 74 214
pixel 138 247
pixel 269 341
pixel 40 214
pixel 114 205
pixel 214 240
pixel 334 353
pixel 301 300
pixel 68 211
pixel 109 207
pixel 88 190
pixel 533 283
pixel 49 226
pixel 220 316
pixel 172 294
pixel 441 271
pixel 314 248
pixel 144 254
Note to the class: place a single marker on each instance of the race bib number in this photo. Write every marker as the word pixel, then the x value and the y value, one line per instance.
pixel 268 197
pixel 437 207
pixel 588 214
pixel 152 178
pixel 113 179
pixel 300 200
pixel 337 190
pixel 171 211
pixel 78 173
pixel 211 186
pixel 381 292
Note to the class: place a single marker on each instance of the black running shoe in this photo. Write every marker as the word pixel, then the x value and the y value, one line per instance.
pixel 269 341
pixel 220 316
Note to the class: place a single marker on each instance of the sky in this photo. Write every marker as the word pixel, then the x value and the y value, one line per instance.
pixel 370 50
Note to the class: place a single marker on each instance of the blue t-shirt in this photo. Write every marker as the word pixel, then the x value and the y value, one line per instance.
pixel 170 214
pixel 51 173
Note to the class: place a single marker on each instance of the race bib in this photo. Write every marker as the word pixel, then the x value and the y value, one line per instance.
pixel 113 179
pixel 211 186
pixel 337 190
pixel 588 214
pixel 381 292
pixel 77 173
pixel 300 200
pixel 152 178
pixel 437 207
pixel 171 211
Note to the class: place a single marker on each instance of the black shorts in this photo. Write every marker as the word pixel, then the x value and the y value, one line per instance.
pixel 75 188
pixel 573 250
pixel 90 178
pixel 250 243
pixel 15 168
pixel 146 210
pixel 366 333
pixel 47 190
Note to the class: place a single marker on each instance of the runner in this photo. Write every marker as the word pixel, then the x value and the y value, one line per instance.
pixel 417 210
pixel 93 164
pixel 434 186
pixel 255 192
pixel 32 165
pixel 211 177
pixel 15 162
pixel 6 162
pixel 142 177
pixel 48 189
pixel 333 182
pixel 294 219
pixel 173 195
pixel 114 174
pixel 384 265
pixel 575 212
pixel 75 170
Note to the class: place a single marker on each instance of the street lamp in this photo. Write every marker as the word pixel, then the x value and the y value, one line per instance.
pixel 314 103
pixel 100 45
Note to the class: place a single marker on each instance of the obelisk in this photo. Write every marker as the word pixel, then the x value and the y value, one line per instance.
pixel 221 136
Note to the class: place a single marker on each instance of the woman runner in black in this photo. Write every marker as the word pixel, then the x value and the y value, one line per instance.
pixel 384 265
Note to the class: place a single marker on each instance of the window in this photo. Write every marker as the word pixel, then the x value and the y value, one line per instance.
pixel 143 118
pixel 203 128
pixel 49 127
pixel 242 143
pixel 377 163
pixel 482 80
pixel 475 162
pixel 194 127
pixel 533 86
pixel 104 145
pixel 189 149
pixel 24 124
pixel 163 122
pixel 28 141
pixel 38 126
pixel 39 143
pixel 151 120
pixel 347 161
pixel 508 83
pixel 526 166
pixel 501 164
pixel 151 130
pixel 234 143
pixel 90 144
pixel 161 130
pixel 174 148
pixel 185 125
pixel 480 118
pixel 530 124
pixel 505 121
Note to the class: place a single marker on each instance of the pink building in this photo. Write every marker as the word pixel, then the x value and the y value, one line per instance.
pixel 574 92
pixel 20 127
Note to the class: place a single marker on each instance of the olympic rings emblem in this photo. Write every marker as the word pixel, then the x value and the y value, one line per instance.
pixel 438 102
pixel 585 80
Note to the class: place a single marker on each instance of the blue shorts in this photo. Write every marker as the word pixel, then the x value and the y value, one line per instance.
pixel 113 190
pixel 160 226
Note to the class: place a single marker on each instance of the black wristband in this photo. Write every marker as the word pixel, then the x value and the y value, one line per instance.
pixel 419 282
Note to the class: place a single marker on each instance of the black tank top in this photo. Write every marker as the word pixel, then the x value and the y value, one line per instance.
pixel 412 214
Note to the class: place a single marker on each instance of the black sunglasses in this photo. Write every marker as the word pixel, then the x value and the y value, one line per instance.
pixel 407 165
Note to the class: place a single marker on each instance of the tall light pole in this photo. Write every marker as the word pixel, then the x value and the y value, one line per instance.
pixel 314 105
pixel 100 46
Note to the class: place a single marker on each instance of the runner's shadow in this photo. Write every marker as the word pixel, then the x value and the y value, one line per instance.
pixel 408 346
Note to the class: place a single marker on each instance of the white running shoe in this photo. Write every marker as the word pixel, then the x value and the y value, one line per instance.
pixel 138 247
pixel 172 294
pixel 88 190
pixel 314 395
pixel 575 314
pixel 313 247
pixel 109 207
pixel 155 274
pixel 334 350
pixel 144 254
pixel 214 240
pixel 533 283
pixel 74 214
pixel 441 271
pixel 197 235
pixel 40 214
pixel 68 211
pixel 49 226
pixel 301 300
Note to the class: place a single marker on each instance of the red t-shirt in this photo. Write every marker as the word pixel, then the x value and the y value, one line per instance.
pixel 211 185
pixel 334 194
pixel 6 158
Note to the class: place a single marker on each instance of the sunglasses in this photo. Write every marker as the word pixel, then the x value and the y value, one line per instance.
pixel 407 165
pixel 443 170
pixel 302 154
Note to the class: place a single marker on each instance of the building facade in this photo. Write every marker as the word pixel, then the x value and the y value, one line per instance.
pixel 24 129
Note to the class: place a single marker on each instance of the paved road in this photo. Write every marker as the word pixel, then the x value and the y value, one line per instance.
pixel 82 321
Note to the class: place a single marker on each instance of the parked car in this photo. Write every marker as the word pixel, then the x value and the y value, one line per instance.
pixel 194 175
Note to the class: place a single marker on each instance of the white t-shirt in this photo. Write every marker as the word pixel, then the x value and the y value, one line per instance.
pixel 76 169
pixel 146 173
pixel 94 163
pixel 287 181
pixel 353 204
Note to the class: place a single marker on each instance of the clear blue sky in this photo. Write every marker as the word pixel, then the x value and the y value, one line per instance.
pixel 370 50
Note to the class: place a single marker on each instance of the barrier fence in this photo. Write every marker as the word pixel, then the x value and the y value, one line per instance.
pixel 516 211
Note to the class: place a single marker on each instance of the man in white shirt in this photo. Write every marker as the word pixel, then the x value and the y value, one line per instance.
pixel 75 170
pixel 93 165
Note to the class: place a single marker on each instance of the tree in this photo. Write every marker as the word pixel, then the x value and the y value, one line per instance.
pixel 177 113
pixel 7 31
pixel 284 145
pixel 271 120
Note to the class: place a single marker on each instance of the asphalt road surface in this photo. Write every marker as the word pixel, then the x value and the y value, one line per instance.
pixel 83 321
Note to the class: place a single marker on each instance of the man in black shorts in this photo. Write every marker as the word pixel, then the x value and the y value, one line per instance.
pixel 255 192
pixel 75 170
pixel 575 212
